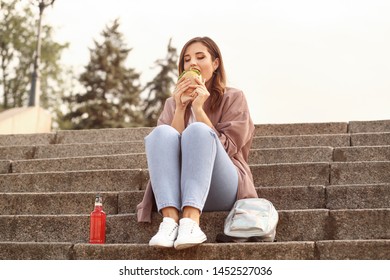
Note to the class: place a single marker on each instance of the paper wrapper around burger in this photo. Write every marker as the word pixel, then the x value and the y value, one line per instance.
pixel 192 75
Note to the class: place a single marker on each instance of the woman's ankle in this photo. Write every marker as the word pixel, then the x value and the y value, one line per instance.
pixel 170 212
pixel 192 213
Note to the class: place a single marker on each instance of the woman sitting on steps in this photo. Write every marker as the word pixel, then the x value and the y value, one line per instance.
pixel 197 155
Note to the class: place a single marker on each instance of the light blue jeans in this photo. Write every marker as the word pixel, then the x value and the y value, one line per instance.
pixel 192 169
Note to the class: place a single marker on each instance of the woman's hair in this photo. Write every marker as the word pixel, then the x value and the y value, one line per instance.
pixel 218 80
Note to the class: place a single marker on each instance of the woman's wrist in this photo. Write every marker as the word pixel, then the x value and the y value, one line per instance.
pixel 201 116
pixel 178 120
pixel 198 110
pixel 180 112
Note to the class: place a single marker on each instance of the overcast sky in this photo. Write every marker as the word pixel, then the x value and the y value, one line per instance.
pixel 296 60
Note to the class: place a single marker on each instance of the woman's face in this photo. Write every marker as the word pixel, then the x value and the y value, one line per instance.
pixel 197 56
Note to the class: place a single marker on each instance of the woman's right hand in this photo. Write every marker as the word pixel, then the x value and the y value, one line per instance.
pixel 178 118
pixel 182 86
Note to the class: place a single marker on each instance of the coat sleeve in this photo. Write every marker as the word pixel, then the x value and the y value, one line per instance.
pixel 235 129
pixel 166 115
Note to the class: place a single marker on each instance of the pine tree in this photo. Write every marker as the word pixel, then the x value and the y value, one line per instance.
pixel 112 91
pixel 18 37
pixel 160 88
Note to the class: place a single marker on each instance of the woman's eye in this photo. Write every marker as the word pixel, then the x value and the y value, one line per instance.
pixel 201 57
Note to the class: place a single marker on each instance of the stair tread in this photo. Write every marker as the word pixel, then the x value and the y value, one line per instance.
pixel 77 136
pixel 256 157
pixel 294 225
pixel 305 250
pixel 256 251
pixel 121 202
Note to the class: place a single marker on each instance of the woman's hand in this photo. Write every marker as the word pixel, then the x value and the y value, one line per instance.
pixel 182 86
pixel 178 118
pixel 201 94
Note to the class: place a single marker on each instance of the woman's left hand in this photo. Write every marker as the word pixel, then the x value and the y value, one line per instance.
pixel 201 93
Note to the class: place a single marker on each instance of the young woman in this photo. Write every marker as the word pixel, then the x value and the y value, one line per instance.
pixel 197 155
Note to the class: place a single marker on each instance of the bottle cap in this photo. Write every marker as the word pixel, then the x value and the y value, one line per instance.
pixel 98 200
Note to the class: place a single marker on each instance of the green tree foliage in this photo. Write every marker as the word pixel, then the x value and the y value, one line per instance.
pixel 108 92
pixel 111 96
pixel 18 39
pixel 160 88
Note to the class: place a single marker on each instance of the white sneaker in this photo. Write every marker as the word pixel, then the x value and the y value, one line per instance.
pixel 166 234
pixel 189 235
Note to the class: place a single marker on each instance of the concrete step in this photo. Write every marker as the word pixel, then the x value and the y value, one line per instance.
pixel 27 139
pixel 126 161
pixel 323 128
pixel 36 251
pixel 110 148
pixel 371 139
pixel 70 150
pixel 126 155
pixel 330 140
pixel 319 154
pixel 293 174
pixel 75 181
pixel 327 140
pixel 125 202
pixel 136 134
pixel 348 154
pixel 136 179
pixel 291 155
pixel 264 175
pixel 18 152
pixel 358 196
pixel 340 249
pixel 138 160
pixel 5 166
pixel 102 135
pixel 304 250
pixel 76 136
pixel 284 198
pixel 294 225
pixel 345 173
pixel 301 129
pixel 60 203
pixel 113 148
pixel 261 156
pixel 369 126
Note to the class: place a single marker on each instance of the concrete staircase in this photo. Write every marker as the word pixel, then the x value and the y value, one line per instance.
pixel 329 181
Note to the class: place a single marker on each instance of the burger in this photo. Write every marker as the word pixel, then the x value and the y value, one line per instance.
pixel 191 74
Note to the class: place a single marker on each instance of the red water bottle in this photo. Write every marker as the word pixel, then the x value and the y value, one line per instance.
pixel 97 230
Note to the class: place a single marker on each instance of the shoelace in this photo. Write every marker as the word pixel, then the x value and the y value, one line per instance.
pixel 165 227
pixel 187 228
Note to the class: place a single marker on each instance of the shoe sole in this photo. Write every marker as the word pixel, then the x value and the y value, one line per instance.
pixel 189 245
pixel 161 245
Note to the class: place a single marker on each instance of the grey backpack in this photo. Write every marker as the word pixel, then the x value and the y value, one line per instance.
pixel 251 219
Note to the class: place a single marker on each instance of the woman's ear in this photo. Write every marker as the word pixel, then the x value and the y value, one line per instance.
pixel 216 64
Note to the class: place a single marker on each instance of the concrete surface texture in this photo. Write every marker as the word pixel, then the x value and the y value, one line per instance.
pixel 330 183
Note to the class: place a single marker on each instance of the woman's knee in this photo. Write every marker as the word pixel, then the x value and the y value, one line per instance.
pixel 162 133
pixel 197 129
